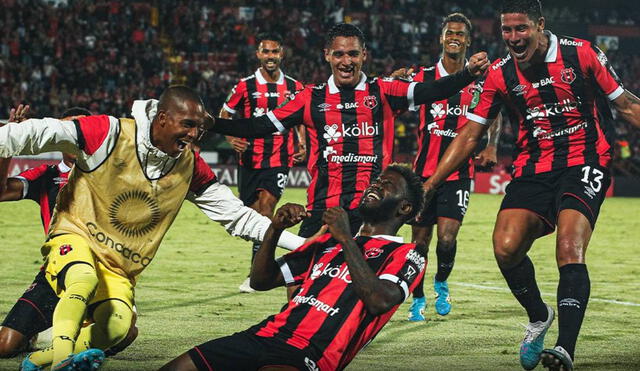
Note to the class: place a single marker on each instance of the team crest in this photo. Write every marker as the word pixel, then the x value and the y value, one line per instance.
pixel 567 75
pixel 370 101
pixel 372 253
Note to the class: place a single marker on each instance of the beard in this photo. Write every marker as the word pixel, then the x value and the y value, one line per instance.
pixel 379 212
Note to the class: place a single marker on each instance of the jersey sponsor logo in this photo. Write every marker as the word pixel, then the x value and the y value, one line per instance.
pixel 543 82
pixel 373 253
pixel 439 110
pixel 331 155
pixel 333 132
pixel 416 258
pixel 567 75
pixel 65 249
pixel 602 58
pixel 540 133
pixel 60 180
pixel 256 95
pixel 409 273
pixel 319 305
pixel 324 107
pixel 259 111
pixel 134 213
pixel 311 364
pixel 119 247
pixel 520 90
pixel 370 101
pixel 339 272
pixel 351 105
pixel 570 42
pixel 551 109
pixel 501 63
pixel 434 129
pixel 329 249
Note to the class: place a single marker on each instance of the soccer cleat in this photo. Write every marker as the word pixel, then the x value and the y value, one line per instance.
pixel 533 342
pixel 556 359
pixel 88 360
pixel 246 286
pixel 27 365
pixel 416 310
pixel 443 301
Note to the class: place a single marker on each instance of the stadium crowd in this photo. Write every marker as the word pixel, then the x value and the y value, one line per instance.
pixel 103 54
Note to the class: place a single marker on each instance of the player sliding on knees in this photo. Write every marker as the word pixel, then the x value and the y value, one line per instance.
pixel 130 178
pixel 349 287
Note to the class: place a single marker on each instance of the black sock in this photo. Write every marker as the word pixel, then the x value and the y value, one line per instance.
pixel 573 296
pixel 446 259
pixel 418 292
pixel 522 282
pixel 254 250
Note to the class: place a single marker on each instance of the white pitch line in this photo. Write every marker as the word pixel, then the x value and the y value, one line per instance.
pixel 503 289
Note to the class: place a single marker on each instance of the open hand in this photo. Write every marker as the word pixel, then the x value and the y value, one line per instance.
pixel 19 114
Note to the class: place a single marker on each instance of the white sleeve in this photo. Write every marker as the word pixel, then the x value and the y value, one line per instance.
pixel 35 136
pixel 219 204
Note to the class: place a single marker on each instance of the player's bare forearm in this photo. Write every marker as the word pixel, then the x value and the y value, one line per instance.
pixel 458 151
pixel 265 273
pixel 493 133
pixel 431 91
pixel 13 190
pixel 379 296
pixel 628 106
pixel 254 127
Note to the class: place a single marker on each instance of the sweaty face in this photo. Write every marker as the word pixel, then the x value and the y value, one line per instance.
pixel 381 200
pixel 455 38
pixel 346 57
pixel 269 54
pixel 522 35
pixel 178 127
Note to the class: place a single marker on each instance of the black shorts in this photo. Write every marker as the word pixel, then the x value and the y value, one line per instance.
pixel 33 312
pixel 582 188
pixel 450 201
pixel 251 181
pixel 312 224
pixel 246 351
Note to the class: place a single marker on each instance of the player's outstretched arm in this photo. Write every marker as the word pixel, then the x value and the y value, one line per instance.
pixel 628 106
pixel 379 296
pixel 489 155
pixel 265 272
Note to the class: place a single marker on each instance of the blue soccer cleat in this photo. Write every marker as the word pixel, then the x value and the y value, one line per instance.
pixel 27 365
pixel 88 360
pixel 443 301
pixel 557 359
pixel 416 311
pixel 533 343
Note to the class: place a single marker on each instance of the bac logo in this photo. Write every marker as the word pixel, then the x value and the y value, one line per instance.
pixel 65 249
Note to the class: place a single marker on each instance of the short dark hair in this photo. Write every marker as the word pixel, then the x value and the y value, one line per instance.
pixel 414 187
pixel 177 93
pixel 457 17
pixel 532 8
pixel 344 30
pixel 268 36
pixel 76 111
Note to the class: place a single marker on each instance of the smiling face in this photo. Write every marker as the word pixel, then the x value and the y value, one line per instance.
pixel 346 56
pixel 269 54
pixel 174 129
pixel 524 37
pixel 455 39
pixel 385 198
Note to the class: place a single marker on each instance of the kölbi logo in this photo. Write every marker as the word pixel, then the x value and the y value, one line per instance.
pixel 335 131
pixel 340 272
pixel 439 110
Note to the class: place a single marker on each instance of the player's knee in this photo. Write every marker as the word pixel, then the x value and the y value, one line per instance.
pixel 505 250
pixel 10 346
pixel 81 279
pixel 446 242
pixel 569 251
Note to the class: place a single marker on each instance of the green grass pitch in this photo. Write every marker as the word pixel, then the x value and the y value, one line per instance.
pixel 189 294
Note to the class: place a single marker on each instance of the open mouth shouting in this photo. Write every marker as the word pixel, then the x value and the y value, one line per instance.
pixel 372 195
pixel 346 72
pixel 519 51
pixel 182 144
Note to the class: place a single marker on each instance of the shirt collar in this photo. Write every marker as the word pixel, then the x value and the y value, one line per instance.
pixel 443 71
pixel 552 52
pixel 262 80
pixel 63 168
pixel 397 239
pixel 333 88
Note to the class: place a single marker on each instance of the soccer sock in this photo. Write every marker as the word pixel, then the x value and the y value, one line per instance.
pixel 80 283
pixel 446 259
pixel 254 250
pixel 418 292
pixel 522 282
pixel 112 319
pixel 573 296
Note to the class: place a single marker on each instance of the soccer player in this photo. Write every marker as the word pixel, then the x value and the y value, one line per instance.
pixel 129 181
pixel 349 287
pixel 549 85
pixel 440 122
pixel 264 163
pixel 350 123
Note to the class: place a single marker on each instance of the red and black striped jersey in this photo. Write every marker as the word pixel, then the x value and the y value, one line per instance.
pixel 42 184
pixel 254 96
pixel 326 318
pixel 440 122
pixel 552 105
pixel 351 133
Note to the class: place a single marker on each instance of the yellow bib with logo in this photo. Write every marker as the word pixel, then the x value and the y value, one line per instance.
pixel 120 211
